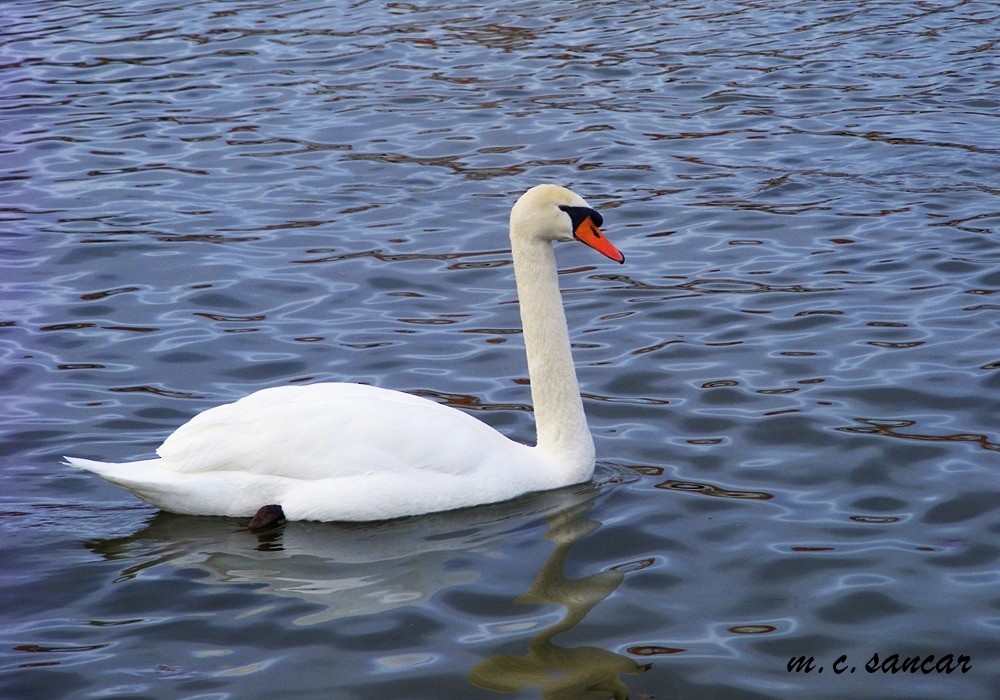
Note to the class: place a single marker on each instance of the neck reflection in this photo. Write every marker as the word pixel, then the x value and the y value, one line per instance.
pixel 561 672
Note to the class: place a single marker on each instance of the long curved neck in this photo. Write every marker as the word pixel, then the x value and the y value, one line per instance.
pixel 559 418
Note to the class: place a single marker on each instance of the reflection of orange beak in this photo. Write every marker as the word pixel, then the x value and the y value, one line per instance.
pixel 587 232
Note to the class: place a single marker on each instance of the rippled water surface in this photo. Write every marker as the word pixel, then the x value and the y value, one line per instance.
pixel 793 382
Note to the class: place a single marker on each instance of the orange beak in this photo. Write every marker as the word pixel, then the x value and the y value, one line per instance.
pixel 587 232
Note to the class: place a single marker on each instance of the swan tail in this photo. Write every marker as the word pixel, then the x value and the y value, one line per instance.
pixel 144 478
pixel 121 473
pixel 236 494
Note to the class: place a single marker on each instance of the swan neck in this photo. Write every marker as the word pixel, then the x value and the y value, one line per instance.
pixel 560 423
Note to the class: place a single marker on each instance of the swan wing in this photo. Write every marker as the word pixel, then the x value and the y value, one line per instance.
pixel 333 430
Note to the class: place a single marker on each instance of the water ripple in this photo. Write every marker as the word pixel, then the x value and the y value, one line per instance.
pixel 794 378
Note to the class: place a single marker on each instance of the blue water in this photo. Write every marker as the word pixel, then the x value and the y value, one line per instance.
pixel 792 383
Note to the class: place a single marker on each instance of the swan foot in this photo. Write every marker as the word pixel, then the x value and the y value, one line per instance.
pixel 266 518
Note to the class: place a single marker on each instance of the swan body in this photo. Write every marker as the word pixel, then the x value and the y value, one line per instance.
pixel 340 451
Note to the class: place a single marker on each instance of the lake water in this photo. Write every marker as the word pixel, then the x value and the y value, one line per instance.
pixel 793 382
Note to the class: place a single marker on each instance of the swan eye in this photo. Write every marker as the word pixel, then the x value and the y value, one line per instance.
pixel 578 214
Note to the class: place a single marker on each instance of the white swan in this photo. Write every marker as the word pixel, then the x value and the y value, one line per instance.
pixel 338 451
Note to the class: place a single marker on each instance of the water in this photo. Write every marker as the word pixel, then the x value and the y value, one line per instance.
pixel 792 383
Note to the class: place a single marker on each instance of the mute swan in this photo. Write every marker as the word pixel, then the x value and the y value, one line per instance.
pixel 338 451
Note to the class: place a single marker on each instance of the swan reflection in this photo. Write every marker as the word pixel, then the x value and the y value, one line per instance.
pixel 351 570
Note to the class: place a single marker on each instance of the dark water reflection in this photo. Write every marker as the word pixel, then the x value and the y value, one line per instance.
pixel 798 364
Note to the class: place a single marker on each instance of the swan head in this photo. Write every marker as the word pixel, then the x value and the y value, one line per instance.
pixel 553 213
